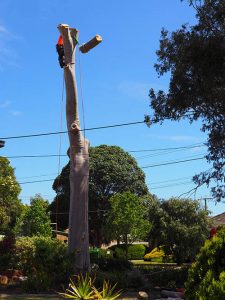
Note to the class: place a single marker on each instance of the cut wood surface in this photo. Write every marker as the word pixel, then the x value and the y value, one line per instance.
pixel 91 44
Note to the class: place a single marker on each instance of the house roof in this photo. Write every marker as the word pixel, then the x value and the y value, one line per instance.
pixel 218 220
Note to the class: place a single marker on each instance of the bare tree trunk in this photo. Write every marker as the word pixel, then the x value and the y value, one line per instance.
pixel 78 242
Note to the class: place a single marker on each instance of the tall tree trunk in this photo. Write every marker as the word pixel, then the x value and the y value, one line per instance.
pixel 78 241
pixel 126 247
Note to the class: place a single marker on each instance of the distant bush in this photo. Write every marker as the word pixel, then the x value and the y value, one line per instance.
pixel 114 264
pixel 206 278
pixel 99 253
pixel 105 253
pixel 156 253
pixel 134 251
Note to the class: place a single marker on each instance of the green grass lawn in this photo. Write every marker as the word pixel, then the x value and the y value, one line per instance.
pixel 142 262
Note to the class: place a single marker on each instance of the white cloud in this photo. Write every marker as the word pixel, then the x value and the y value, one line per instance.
pixel 15 113
pixel 178 138
pixel 137 90
pixel 175 138
pixel 8 56
pixel 4 104
pixel 197 149
pixel 3 30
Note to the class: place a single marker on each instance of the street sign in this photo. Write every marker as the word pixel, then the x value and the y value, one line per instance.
pixel 2 143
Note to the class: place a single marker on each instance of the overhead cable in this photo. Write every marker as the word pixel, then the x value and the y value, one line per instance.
pixel 66 131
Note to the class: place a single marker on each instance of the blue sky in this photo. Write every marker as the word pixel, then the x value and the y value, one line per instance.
pixel 115 78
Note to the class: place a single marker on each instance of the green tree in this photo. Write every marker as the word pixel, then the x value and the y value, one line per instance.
pixel 9 192
pixel 36 219
pixel 156 217
pixel 112 170
pixel 176 224
pixel 206 277
pixel 195 58
pixel 127 219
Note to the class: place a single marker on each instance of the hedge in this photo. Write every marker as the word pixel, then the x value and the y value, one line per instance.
pixel 136 251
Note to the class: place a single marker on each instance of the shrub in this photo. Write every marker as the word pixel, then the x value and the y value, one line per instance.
pixel 164 275
pixel 83 288
pixel 7 249
pixel 134 251
pixel 44 260
pixel 114 277
pixel 156 253
pixel 94 255
pixel 99 253
pixel 206 278
pixel 105 253
pixel 136 280
pixel 114 264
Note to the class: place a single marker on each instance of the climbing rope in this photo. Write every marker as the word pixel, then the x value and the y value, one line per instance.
pixel 60 145
pixel 81 94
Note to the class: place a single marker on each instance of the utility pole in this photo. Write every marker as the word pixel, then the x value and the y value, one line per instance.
pixel 205 201
pixel 78 241
pixel 2 143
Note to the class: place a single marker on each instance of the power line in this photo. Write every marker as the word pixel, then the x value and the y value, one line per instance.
pixel 171 148
pixel 169 180
pixel 35 181
pixel 170 185
pixel 151 166
pixel 171 163
pixel 86 129
pixel 131 151
pixel 62 132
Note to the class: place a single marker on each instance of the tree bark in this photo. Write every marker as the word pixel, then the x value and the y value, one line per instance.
pixel 78 242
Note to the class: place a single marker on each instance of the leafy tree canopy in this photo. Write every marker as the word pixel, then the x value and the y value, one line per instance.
pixel 195 58
pixel 206 277
pixel 112 170
pixel 176 223
pixel 10 205
pixel 36 219
pixel 127 219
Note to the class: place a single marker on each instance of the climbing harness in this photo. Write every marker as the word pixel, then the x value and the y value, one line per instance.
pixel 60 51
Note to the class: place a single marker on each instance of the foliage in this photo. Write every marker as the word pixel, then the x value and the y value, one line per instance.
pixel 155 253
pixel 44 260
pixel 7 249
pixel 179 222
pixel 126 220
pixel 136 251
pixel 84 288
pixel 195 58
pixel 4 219
pixel 133 252
pixel 206 278
pixel 17 230
pixel 118 277
pixel 114 264
pixel 36 219
pixel 155 215
pixel 105 253
pixel 10 205
pixel 99 253
pixel 112 170
pixel 137 280
pixel 163 275
pixel 107 292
